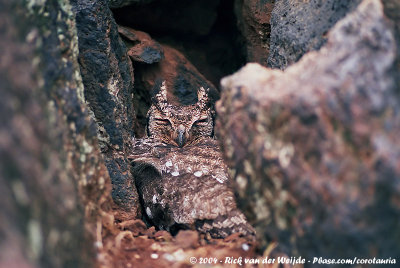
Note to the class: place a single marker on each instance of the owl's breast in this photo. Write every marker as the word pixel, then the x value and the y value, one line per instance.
pixel 187 186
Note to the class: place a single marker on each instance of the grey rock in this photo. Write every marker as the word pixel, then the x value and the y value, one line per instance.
pixel 298 27
pixel 314 149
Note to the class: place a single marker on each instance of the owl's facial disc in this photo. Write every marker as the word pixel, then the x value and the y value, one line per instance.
pixel 179 125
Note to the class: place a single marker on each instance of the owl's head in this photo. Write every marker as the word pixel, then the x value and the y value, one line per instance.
pixel 179 125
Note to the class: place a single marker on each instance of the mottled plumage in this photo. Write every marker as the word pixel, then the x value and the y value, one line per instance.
pixel 180 174
pixel 179 125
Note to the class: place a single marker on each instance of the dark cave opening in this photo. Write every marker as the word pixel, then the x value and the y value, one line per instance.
pixel 205 33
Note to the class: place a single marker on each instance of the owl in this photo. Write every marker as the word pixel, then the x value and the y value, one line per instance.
pixel 179 172
pixel 179 125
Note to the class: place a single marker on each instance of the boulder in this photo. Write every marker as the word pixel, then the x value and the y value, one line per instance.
pixel 315 149
pixel 298 27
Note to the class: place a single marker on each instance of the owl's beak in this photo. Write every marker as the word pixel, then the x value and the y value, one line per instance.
pixel 181 138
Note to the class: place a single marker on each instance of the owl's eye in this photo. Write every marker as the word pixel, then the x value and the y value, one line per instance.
pixel 201 121
pixel 162 121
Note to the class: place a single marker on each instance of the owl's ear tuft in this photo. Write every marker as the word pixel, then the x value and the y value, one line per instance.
pixel 202 97
pixel 159 94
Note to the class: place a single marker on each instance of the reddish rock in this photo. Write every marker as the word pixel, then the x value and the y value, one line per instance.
pixel 315 149
pixel 137 227
pixel 141 47
pixel 254 23
pixel 187 238
pixel 232 237
pixel 182 80
pixel 151 232
pixel 163 236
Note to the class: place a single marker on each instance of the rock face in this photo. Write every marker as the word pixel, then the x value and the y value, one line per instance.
pixel 315 148
pixel 298 27
pixel 253 18
pixel 107 76
pixel 52 173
